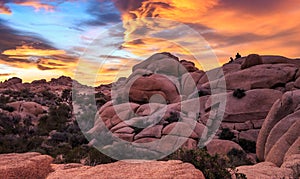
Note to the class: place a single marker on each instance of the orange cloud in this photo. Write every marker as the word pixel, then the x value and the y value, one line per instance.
pixel 27 50
pixel 259 26
pixel 4 9
pixel 31 63
pixel 36 4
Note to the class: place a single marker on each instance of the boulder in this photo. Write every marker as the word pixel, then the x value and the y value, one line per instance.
pixel 26 165
pixel 247 108
pixel 188 65
pixel 283 109
pixel 130 169
pixel 154 131
pixel 265 170
pixel 279 149
pixel 144 88
pixel 250 135
pixel 27 107
pixel 259 76
pixel 251 60
pixel 221 147
pixel 297 83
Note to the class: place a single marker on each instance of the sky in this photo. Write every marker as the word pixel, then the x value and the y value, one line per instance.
pixel 98 41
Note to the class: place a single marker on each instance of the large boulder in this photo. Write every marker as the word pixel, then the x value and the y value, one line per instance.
pixel 280 131
pixel 265 170
pixel 26 165
pixel 129 169
pixel 222 147
pixel 27 107
pixel 255 105
pixel 258 76
pixel 145 88
pixel 251 60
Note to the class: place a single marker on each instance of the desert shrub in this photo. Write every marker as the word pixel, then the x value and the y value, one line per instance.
pixel 86 155
pixel 238 158
pixel 25 93
pixel 100 99
pixel 239 93
pixel 226 134
pixel 56 119
pixel 19 144
pixel 4 99
pixel 174 117
pixel 211 166
pixel 247 145
pixel 77 139
pixel 6 107
pixel 48 95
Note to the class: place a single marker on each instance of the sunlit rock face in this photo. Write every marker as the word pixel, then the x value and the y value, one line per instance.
pixel 163 93
pixel 168 103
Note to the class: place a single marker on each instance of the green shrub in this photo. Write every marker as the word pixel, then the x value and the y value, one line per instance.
pixel 6 107
pixel 239 93
pixel 226 134
pixel 211 166
pixel 238 158
pixel 247 145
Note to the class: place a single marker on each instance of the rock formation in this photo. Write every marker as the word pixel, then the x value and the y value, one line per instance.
pixel 168 103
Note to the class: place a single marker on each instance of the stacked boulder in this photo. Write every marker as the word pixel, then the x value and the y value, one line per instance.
pixel 151 110
pixel 279 141
pixel 164 93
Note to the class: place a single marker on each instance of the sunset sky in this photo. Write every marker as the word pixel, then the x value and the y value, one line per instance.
pixel 48 38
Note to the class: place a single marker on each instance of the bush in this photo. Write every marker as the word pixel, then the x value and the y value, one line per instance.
pixel 211 166
pixel 226 134
pixel 3 99
pixel 247 145
pixel 48 95
pixel 238 158
pixel 6 107
pixel 90 155
pixel 239 93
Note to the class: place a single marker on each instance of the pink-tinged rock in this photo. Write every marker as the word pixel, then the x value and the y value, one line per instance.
pixel 259 76
pixel 180 129
pixel 297 83
pixel 265 170
pixel 27 107
pixel 25 165
pixel 125 130
pixel 148 109
pixel 221 147
pixel 248 107
pixel 190 144
pixel 251 60
pixel 280 129
pixel 144 87
pixel 279 149
pixel 154 131
pixel 189 66
pixel 145 140
pixel 281 108
pixel 250 135
pixel 257 123
pixel 131 169
pixel 124 136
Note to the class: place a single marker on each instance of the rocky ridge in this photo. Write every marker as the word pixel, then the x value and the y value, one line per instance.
pixel 168 98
